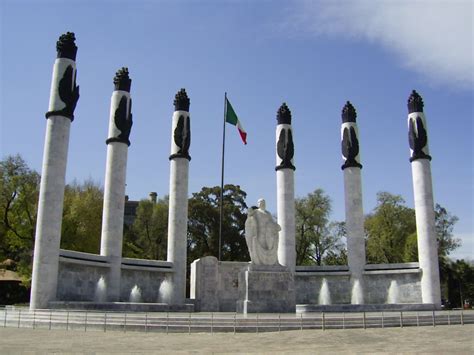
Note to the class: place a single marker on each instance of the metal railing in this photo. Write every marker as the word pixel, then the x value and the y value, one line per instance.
pixel 222 322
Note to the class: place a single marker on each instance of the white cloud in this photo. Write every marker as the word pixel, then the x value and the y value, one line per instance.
pixel 433 38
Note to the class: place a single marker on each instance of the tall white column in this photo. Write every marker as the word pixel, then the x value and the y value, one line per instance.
pixel 120 124
pixel 424 204
pixel 353 201
pixel 178 197
pixel 63 99
pixel 285 171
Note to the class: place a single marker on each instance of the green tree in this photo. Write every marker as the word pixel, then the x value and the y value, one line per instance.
pixel 445 222
pixel 19 186
pixel 410 251
pixel 460 282
pixel 315 235
pixel 388 229
pixel 147 237
pixel 82 217
pixel 203 224
pixel 338 254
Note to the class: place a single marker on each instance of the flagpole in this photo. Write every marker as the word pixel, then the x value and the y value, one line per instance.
pixel 222 180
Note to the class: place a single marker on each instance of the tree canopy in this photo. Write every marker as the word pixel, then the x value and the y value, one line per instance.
pixel 203 224
pixel 388 228
pixel 147 236
pixel 82 217
pixel 19 187
pixel 316 236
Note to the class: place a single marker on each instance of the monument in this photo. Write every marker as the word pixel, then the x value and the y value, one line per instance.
pixel 120 124
pixel 264 285
pixel 178 197
pixel 285 174
pixel 62 103
pixel 353 201
pixel 271 281
pixel 424 205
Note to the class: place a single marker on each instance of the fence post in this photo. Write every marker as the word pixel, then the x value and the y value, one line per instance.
pixel 5 318
pixel 257 322
pixel 189 323
pixel 146 322
pixel 50 318
pixel 34 318
pixel 382 320
pixel 67 321
pixel 85 325
pixel 343 320
pixel 125 323
pixel 212 322
pixel 449 318
pixel 323 325
pixel 279 322
pixel 235 320
pixel 417 319
pixel 105 321
pixel 401 319
pixel 434 320
pixel 301 321
pixel 462 317
pixel 19 317
pixel 167 322
pixel 363 321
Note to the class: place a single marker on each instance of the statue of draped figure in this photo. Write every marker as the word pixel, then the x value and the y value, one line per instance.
pixel 261 235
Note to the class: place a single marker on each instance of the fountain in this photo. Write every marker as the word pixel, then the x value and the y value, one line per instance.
pixel 100 294
pixel 165 291
pixel 357 296
pixel 324 294
pixel 136 295
pixel 393 293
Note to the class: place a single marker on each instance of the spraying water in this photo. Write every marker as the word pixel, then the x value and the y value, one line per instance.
pixel 393 292
pixel 136 295
pixel 164 293
pixel 324 294
pixel 100 294
pixel 357 296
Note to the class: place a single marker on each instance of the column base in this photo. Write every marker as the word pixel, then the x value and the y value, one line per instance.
pixel 268 290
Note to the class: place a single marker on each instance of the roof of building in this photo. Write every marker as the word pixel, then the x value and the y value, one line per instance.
pixel 8 275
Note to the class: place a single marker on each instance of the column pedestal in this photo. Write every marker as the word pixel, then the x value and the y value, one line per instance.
pixel 266 289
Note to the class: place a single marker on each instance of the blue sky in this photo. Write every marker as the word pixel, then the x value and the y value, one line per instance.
pixel 314 55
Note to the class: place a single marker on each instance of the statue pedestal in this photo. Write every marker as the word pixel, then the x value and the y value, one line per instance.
pixel 266 289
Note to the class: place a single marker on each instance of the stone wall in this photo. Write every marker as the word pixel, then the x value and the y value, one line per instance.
pixel 79 275
pixel 83 278
pixel 404 279
pixel 309 281
pixel 214 284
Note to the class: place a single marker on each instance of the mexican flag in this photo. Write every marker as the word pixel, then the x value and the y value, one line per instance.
pixel 231 117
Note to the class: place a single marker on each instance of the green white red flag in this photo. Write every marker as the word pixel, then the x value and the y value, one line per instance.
pixel 231 117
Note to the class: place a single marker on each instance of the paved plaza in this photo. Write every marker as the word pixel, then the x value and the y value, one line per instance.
pixel 455 339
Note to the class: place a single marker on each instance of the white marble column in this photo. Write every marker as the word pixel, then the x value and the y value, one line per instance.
pixel 63 99
pixel 424 203
pixel 353 201
pixel 285 171
pixel 120 124
pixel 178 196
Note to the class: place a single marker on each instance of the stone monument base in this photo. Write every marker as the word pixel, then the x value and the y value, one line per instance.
pixel 266 289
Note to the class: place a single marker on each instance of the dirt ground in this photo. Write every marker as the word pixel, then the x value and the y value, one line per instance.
pixel 455 339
